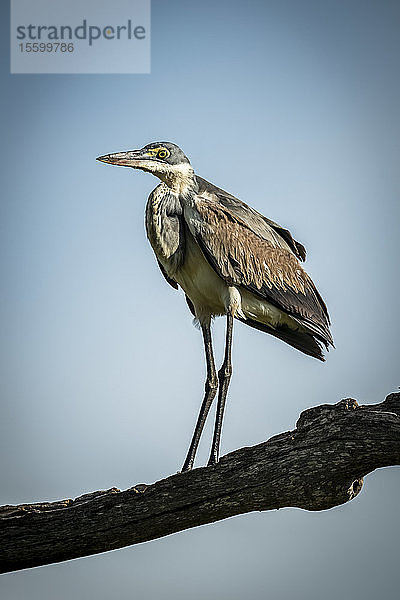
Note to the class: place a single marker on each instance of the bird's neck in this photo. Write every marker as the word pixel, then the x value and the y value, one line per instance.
pixel 180 179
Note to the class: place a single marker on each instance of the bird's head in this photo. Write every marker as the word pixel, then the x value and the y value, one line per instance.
pixel 163 159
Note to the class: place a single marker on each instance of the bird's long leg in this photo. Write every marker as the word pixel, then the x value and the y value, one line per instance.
pixel 211 387
pixel 224 376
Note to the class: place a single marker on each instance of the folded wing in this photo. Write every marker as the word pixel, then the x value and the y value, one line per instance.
pixel 247 255
pixel 265 228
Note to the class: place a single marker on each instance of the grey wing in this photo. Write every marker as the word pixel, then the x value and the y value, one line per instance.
pixel 169 279
pixel 265 228
pixel 241 257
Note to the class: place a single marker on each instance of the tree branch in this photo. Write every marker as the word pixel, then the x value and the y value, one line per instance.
pixel 317 466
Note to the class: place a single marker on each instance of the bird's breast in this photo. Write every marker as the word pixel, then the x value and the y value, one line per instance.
pixel 165 227
pixel 206 289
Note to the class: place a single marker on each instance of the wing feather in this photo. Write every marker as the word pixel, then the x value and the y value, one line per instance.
pixel 242 257
pixel 265 228
pixel 171 281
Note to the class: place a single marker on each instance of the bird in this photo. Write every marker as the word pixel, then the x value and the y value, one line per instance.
pixel 230 261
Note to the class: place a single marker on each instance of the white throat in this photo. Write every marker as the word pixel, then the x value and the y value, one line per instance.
pixel 179 178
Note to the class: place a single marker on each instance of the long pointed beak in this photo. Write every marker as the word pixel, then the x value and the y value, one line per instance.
pixel 132 158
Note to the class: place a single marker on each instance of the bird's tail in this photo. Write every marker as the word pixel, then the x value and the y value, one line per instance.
pixel 300 339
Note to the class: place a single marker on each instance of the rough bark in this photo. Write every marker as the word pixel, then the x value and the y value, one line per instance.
pixel 317 466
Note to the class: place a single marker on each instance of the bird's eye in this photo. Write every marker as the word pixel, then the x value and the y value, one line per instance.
pixel 162 153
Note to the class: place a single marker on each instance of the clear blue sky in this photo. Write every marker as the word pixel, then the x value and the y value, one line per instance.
pixel 293 107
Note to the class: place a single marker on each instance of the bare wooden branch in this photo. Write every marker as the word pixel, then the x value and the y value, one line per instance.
pixel 317 466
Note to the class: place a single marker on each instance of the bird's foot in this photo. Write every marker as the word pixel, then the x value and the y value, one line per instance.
pixel 188 466
pixel 213 460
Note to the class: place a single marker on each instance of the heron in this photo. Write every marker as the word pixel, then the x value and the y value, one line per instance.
pixel 230 261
